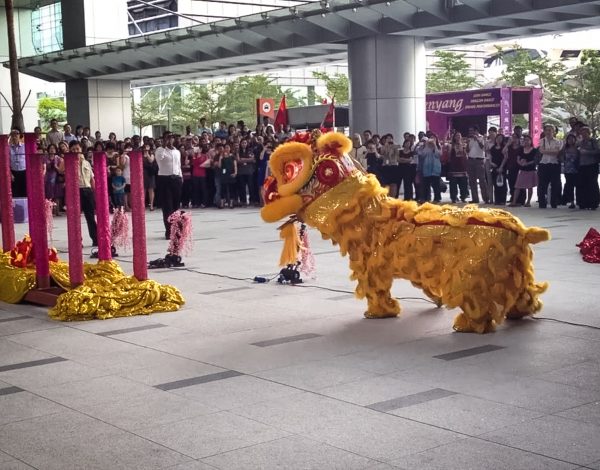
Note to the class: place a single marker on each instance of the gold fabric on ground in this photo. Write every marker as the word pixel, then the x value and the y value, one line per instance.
pixel 107 291
pixel 14 282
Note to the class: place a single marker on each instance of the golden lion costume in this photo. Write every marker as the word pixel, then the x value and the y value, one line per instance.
pixel 472 258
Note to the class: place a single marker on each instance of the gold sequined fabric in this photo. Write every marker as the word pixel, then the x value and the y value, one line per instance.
pixel 107 291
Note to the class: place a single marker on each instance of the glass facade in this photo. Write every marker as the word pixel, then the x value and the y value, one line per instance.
pixel 46 28
pixel 151 16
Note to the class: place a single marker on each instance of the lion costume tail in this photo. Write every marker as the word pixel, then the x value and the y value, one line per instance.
pixel 535 235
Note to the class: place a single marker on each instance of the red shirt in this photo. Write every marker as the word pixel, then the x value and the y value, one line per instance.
pixel 197 169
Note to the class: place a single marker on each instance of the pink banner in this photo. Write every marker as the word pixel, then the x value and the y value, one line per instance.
pixel 73 219
pixel 6 202
pixel 138 216
pixel 37 210
pixel 102 212
pixel 506 111
pixel 535 116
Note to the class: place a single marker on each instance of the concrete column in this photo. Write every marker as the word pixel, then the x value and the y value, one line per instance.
pixel 387 84
pixel 103 105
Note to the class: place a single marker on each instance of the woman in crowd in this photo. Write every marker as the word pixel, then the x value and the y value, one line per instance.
pixel 54 181
pixel 246 169
pixel 200 162
pixel 527 178
pixel 512 150
pixel 125 166
pixel 150 171
pixel 430 169
pixel 374 160
pixel 359 151
pixel 457 169
pixel 589 157
pixel 228 176
pixel 407 169
pixel 263 169
pixel 570 158
pixel 186 172
pixel 498 164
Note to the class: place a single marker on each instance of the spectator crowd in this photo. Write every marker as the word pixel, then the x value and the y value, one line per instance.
pixel 226 167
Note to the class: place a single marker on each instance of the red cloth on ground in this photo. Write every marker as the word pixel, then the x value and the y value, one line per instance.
pixel 590 246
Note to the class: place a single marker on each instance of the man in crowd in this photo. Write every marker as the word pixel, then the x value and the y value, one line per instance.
pixel 475 165
pixel 68 137
pixel 549 169
pixel 169 180
pixel 16 150
pixel 87 187
pixel 54 136
pixel 203 128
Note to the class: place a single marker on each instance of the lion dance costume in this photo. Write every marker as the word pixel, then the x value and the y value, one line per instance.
pixel 476 259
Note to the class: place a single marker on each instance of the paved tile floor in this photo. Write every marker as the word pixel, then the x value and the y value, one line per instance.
pixel 264 376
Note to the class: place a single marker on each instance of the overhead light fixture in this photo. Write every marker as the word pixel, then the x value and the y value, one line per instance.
pixel 324 4
pixel 388 3
pixel 294 11
pixel 354 10
pixel 322 15
pixel 264 15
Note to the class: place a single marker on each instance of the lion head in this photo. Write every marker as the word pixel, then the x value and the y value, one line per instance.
pixel 304 169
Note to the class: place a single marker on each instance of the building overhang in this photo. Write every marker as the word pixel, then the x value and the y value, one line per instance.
pixel 308 34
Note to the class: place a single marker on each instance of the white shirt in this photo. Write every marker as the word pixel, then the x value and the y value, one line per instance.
pixel 126 168
pixel 547 144
pixel 169 161
pixel 475 151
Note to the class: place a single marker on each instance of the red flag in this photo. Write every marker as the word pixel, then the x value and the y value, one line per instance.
pixel 329 119
pixel 282 115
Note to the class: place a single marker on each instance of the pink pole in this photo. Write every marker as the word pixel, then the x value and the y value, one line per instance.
pixel 6 202
pixel 30 149
pixel 138 216
pixel 102 213
pixel 37 210
pixel 73 218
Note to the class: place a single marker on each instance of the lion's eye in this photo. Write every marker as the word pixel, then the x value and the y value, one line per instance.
pixel 292 169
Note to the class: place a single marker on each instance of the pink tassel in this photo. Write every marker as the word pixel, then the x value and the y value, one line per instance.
pixel 181 233
pixel 307 259
pixel 49 208
pixel 119 229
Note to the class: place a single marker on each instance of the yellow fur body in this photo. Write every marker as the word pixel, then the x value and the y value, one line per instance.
pixel 476 259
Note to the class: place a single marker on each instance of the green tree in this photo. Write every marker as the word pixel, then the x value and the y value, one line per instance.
pixel 148 110
pixel 51 108
pixel 582 89
pixel 338 86
pixel 522 68
pixel 450 74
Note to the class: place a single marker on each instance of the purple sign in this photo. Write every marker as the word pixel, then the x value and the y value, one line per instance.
pixel 535 115
pixel 465 103
pixel 506 111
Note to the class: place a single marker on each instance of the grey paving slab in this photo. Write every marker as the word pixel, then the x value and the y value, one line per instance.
pixel 584 374
pixel 198 380
pixel 410 400
pixel 54 373
pixel 526 393
pixel 452 356
pixel 4 320
pixel 223 291
pixel 10 390
pixel 24 405
pixel 130 330
pixel 236 250
pixel 211 434
pixel 549 434
pixel 25 365
pixel 293 452
pixel 465 414
pixel 72 440
pixel 235 392
pixel 285 339
pixel 147 411
pixel 13 353
pixel 15 464
pixel 588 413
pixel 475 454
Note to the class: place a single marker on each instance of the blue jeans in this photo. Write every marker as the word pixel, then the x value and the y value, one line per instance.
pixel 217 199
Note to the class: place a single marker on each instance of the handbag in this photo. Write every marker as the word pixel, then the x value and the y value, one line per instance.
pixel 499 180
